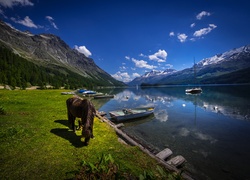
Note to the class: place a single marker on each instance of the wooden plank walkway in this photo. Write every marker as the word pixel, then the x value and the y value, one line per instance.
pixel 177 161
pixel 171 164
pixel 164 154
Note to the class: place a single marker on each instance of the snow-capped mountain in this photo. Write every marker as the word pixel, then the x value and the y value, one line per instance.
pixel 227 56
pixel 158 73
pixel 229 67
pixel 151 76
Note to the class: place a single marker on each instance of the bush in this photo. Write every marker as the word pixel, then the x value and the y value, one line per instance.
pixel 107 169
pixel 104 169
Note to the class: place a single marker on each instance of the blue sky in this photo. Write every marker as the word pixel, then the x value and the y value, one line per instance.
pixel 127 38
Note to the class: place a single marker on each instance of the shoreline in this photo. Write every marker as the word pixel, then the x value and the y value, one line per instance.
pixel 132 142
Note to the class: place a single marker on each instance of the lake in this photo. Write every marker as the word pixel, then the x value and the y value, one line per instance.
pixel 211 130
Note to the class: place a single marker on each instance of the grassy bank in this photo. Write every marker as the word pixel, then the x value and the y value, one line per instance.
pixel 35 142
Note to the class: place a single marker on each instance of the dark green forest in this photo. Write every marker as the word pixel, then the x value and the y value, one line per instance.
pixel 19 72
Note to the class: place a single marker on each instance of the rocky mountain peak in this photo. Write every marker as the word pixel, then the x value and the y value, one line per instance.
pixel 50 50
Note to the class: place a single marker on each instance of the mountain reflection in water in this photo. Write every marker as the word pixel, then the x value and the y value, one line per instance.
pixel 210 130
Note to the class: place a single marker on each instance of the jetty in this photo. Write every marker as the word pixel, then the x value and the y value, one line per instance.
pixel 163 157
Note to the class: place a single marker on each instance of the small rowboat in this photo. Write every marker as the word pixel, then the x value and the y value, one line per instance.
pixel 129 114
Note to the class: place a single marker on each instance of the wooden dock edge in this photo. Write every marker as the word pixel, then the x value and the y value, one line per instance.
pixel 132 142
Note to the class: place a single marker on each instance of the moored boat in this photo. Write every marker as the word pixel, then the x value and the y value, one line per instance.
pixel 128 114
pixel 103 96
pixel 195 90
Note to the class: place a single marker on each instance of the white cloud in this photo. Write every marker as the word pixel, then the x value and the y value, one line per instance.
pixel 168 66
pixel 127 57
pixel 171 34
pixel 159 56
pixel 204 31
pixel 142 55
pixel 51 20
pixel 122 68
pixel 142 64
pixel 83 50
pixel 182 37
pixel 26 22
pixel 11 3
pixel 122 76
pixel 192 25
pixel 134 75
pixel 202 14
pixel 2 13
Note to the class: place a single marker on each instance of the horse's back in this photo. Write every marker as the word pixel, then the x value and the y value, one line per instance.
pixel 77 106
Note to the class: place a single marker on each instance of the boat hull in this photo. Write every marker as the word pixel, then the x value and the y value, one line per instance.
pixel 103 96
pixel 122 115
pixel 194 91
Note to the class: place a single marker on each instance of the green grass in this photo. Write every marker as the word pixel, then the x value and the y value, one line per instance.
pixel 35 142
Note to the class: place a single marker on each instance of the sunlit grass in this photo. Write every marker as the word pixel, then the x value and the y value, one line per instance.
pixel 35 142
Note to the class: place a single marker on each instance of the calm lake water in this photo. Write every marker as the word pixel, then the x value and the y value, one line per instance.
pixel 211 130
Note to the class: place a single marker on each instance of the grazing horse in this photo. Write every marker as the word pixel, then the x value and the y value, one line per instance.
pixel 84 109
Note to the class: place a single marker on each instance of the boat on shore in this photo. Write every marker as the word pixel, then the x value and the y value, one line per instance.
pixel 103 96
pixel 129 114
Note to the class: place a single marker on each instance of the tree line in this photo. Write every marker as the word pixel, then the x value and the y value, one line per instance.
pixel 16 71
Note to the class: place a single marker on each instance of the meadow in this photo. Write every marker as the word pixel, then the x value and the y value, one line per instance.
pixel 36 143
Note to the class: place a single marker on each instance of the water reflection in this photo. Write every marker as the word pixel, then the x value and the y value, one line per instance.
pixel 210 130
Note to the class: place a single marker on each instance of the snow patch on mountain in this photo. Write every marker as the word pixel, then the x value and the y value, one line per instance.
pixel 158 73
pixel 234 53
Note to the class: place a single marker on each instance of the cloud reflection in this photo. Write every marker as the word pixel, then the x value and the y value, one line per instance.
pixel 184 132
pixel 204 137
pixel 161 115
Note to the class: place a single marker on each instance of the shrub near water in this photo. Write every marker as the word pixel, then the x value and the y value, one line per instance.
pixel 35 142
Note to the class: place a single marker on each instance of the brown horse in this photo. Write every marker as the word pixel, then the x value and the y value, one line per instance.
pixel 84 109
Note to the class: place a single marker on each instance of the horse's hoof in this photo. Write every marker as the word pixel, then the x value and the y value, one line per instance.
pixel 86 143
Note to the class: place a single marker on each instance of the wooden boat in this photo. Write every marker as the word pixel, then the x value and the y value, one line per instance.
pixel 129 114
pixel 194 90
pixel 103 96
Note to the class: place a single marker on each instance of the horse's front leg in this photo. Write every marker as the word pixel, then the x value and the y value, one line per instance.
pixel 73 123
pixel 79 125
pixel 71 120
pixel 86 141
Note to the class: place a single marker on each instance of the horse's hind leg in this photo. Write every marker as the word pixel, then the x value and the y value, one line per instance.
pixel 71 120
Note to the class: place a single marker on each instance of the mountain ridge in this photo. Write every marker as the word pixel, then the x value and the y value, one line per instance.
pixel 207 70
pixel 51 51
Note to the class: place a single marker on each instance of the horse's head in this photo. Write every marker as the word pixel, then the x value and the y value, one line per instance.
pixel 88 121
pixel 87 132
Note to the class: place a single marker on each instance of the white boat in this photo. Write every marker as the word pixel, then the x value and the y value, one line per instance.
pixel 195 90
pixel 89 92
pixel 129 114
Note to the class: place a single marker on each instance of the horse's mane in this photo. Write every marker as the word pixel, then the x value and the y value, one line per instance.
pixel 88 116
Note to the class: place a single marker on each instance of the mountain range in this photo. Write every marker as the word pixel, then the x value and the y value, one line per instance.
pixel 48 50
pixel 51 52
pixel 231 67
